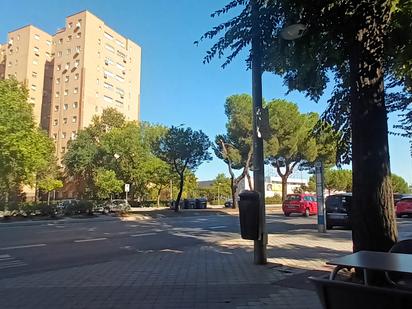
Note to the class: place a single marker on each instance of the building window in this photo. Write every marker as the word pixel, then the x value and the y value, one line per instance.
pixel 73 135
pixel 63 135
pixel 55 122
pixel 99 41
pixel 34 74
pixel 120 43
pixel 58 79
pixel 97 81
pixel 48 42
pixel 18 37
pixel 66 92
pixel 66 107
pixel 120 66
pixel 96 109
pixel 108 36
pixel 57 94
pixel 69 38
pixel 35 62
pixel 59 67
pixel 119 78
pixel 119 102
pixel 76 63
pixel 37 37
pixel 70 25
pixel 110 48
pixel 78 35
pixel 64 120
pixel 107 99
pixel 32 100
pixel 67 78
pixel 33 87
pixel 36 50
pixel 76 90
pixel 67 66
pixel 77 49
pixel 60 41
pixel 63 150
pixel 108 86
pixel 75 105
pixel 76 76
pixel 59 53
pixel 48 54
pixel 74 119
pixel 68 51
pixel 10 64
pixel 54 136
pixel 56 108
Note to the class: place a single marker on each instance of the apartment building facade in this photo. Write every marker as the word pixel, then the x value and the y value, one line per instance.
pixel 74 74
pixel 84 68
pixel 94 68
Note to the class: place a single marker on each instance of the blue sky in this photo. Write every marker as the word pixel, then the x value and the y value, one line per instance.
pixel 177 88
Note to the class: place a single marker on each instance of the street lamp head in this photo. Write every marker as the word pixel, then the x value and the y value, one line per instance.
pixel 293 32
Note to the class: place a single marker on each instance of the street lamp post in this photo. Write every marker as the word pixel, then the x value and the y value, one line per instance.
pixel 260 255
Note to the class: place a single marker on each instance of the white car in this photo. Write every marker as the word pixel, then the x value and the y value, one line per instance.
pixel 117 205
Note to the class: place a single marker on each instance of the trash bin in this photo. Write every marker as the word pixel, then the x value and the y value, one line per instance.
pixel 249 215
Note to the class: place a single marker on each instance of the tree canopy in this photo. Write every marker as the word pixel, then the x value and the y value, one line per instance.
pixel 183 149
pixel 25 150
pixel 291 143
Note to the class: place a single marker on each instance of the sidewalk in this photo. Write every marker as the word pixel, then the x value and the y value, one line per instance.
pixel 217 273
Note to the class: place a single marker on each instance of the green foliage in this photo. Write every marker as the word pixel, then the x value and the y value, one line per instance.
pixel 24 149
pixel 276 199
pixel 221 187
pixel 107 183
pixel 49 184
pixel 399 184
pixel 334 180
pixel 235 146
pixel 183 149
pixel 290 142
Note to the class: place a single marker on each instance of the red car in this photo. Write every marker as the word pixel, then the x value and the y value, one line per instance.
pixel 304 204
pixel 404 207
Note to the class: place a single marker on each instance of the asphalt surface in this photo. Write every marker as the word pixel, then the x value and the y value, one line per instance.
pixel 53 245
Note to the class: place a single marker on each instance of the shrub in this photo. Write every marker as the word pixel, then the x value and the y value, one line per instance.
pixel 276 199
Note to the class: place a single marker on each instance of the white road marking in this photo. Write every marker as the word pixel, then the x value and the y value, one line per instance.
pixel 23 246
pixel 6 261
pixel 143 234
pixel 90 239
pixel 218 227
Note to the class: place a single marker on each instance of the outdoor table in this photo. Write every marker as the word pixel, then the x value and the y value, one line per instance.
pixel 372 260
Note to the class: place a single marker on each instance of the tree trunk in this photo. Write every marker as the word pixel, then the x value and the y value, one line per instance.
pixel 179 195
pixel 158 196
pixel 249 180
pixel 284 186
pixel 373 221
pixel 48 198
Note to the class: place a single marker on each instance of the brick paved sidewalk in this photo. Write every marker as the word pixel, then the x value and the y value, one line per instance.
pixel 215 274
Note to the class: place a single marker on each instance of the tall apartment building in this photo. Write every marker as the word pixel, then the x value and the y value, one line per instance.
pixel 73 75
pixel 27 56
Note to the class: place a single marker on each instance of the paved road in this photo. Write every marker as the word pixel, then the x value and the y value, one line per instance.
pixel 60 255
pixel 55 245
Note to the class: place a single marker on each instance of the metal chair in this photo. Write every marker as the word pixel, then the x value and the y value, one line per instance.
pixel 401 280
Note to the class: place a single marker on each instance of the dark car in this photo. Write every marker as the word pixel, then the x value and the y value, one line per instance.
pixel 338 210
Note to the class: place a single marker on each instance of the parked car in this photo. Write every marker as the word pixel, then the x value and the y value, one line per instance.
pixel 117 205
pixel 398 196
pixel 404 207
pixel 304 204
pixel 229 204
pixel 67 206
pixel 338 209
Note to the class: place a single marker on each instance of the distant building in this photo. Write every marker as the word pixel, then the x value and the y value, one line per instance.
pixel 273 185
